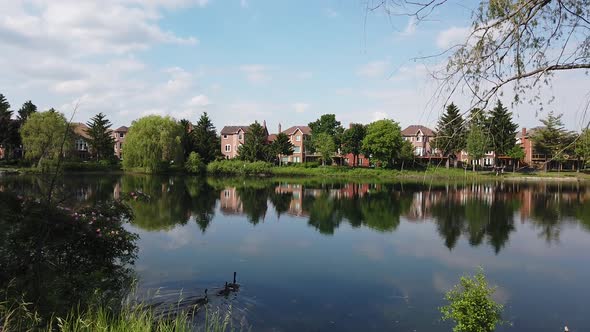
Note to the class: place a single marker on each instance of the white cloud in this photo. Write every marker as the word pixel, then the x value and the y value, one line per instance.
pixel 452 36
pixel 380 115
pixel 244 3
pixel 375 69
pixel 331 13
pixel 199 101
pixel 256 73
pixel 410 28
pixel 300 107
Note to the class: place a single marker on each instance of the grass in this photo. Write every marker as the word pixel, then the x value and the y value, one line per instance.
pixel 138 318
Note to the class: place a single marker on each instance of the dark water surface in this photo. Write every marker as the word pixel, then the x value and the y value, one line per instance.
pixel 324 256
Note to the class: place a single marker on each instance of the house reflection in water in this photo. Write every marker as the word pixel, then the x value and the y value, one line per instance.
pixel 230 202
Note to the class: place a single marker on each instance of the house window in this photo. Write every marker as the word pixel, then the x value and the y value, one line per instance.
pixel 227 148
pixel 419 151
pixel 296 159
pixel 120 146
pixel 224 136
pixel 298 138
pixel 226 193
pixel 121 135
pixel 419 139
pixel 296 149
pixel 240 136
pixel 359 161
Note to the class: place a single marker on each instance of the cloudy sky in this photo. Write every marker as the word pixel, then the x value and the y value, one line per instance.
pixel 239 60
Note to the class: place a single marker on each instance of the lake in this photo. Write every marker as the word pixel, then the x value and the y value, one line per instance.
pixel 338 256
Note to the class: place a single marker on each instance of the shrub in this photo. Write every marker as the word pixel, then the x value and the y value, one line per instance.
pixel 237 167
pixel 471 306
pixel 194 164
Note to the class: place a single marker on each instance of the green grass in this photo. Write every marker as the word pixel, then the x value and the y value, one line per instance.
pixel 17 317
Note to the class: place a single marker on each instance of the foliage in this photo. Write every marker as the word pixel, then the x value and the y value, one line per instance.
pixel 406 153
pixel 281 146
pixel 238 167
pixel 552 139
pixel 450 131
pixel 194 164
pixel 25 111
pixel 324 144
pixel 516 153
pixel 328 124
pixel 186 140
pixel 583 147
pixel 255 147
pixel 9 138
pixel 477 143
pixel 471 306
pixel 99 137
pixel 501 130
pixel 205 141
pixel 383 141
pixel 352 140
pixel 153 143
pixel 42 135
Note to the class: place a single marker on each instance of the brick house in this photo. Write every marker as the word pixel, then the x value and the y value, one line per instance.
pixel 119 137
pixel 81 149
pixel 297 135
pixel 420 137
pixel 234 136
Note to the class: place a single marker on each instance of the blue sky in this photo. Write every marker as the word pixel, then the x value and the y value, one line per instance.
pixel 239 60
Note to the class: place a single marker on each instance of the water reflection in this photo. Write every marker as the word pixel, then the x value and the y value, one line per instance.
pixel 481 213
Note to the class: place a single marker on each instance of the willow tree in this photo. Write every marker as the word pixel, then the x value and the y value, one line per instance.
pixel 153 143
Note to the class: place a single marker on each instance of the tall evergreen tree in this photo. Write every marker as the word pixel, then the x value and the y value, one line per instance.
pixel 8 128
pixel 281 146
pixel 25 111
pixel 205 140
pixel 502 130
pixel 450 132
pixel 352 140
pixel 553 140
pixel 100 140
pixel 254 147
pixel 186 139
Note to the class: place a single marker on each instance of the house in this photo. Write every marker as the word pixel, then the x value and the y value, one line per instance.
pixel 297 135
pixel 232 137
pixel 119 137
pixel 420 137
pixel 81 149
pixel 524 139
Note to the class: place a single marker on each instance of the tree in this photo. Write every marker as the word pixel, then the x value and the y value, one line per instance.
pixel 254 147
pixel 42 135
pixel 205 140
pixel 517 154
pixel 8 128
pixel 501 130
pixel 153 143
pixel 406 153
pixel 583 147
pixel 194 164
pixel 326 124
pixel 325 145
pixel 552 139
pixel 352 140
pixel 99 137
pixel 476 143
pixel 471 306
pixel 281 146
pixel 25 111
pixel 383 141
pixel 186 140
pixel 450 132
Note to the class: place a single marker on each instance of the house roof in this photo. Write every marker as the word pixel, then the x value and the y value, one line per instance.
pixel 122 128
pixel 304 129
pixel 80 129
pixel 529 132
pixel 228 130
pixel 271 138
pixel 413 130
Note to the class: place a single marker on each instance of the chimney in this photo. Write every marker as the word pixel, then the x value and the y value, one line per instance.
pixel 523 132
pixel 350 125
pixel 280 131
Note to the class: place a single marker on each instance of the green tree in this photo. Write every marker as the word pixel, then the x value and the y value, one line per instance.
pixel 450 132
pixel 186 140
pixel 325 145
pixel 153 143
pixel 352 140
pixel 552 139
pixel 502 130
pixel 517 154
pixel 99 137
pixel 476 143
pixel 254 147
pixel 8 128
pixel 205 139
pixel 43 134
pixel 281 146
pixel 383 141
pixel 471 306
pixel 583 147
pixel 328 124
pixel 406 153
pixel 194 164
pixel 25 111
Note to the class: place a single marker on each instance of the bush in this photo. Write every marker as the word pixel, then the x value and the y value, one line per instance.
pixel 238 167
pixel 194 164
pixel 471 306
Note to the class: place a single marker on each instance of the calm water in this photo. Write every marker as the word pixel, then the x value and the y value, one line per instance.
pixel 321 256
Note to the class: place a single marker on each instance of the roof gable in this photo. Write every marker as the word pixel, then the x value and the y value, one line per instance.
pixel 305 130
pixel 413 130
